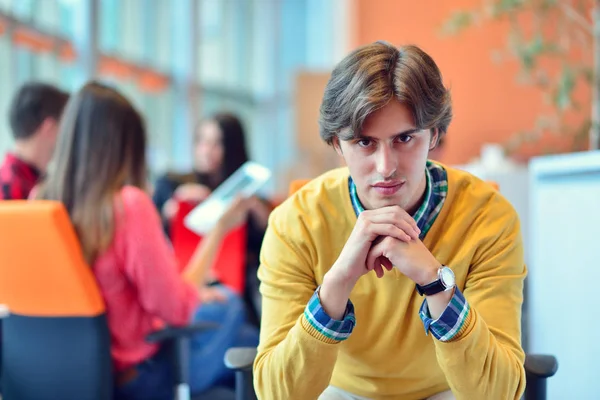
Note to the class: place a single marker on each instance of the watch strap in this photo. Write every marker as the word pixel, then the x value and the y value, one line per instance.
pixel 431 288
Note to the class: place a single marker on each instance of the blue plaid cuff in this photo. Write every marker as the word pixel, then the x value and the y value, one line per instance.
pixel 452 319
pixel 331 328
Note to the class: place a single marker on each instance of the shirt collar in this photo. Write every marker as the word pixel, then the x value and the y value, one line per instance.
pixel 13 159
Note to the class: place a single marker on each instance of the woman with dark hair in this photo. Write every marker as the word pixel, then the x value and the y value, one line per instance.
pixel 98 172
pixel 219 150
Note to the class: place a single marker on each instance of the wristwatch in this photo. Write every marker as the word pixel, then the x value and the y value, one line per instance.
pixel 445 281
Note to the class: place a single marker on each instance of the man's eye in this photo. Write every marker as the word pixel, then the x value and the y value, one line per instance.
pixel 405 138
pixel 364 142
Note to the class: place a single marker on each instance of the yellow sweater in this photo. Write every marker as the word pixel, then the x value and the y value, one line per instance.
pixel 388 355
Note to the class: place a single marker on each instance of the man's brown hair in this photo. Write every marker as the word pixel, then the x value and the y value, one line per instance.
pixel 31 105
pixel 372 75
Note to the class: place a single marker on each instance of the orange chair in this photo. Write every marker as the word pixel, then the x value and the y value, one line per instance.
pixel 56 343
pixel 55 339
pixel 297 184
pixel 494 184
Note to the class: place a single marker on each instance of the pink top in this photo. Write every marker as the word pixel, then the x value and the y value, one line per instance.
pixel 139 281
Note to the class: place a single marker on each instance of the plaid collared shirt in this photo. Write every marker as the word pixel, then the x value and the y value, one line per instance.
pixel 452 319
pixel 17 178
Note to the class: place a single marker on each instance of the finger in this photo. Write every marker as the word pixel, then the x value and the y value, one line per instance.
pixel 399 218
pixel 386 263
pixel 373 257
pixel 409 229
pixel 237 203
pixel 237 199
pixel 378 270
pixel 388 230
pixel 404 218
pixel 243 202
pixel 369 264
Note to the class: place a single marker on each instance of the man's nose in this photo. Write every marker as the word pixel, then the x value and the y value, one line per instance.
pixel 386 162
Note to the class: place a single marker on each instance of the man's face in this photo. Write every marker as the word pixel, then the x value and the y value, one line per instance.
pixel 387 162
pixel 48 134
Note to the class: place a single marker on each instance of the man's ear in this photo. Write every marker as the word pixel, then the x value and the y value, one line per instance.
pixel 435 137
pixel 336 145
pixel 48 128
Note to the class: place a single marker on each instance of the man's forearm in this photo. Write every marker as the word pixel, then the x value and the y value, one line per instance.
pixel 334 294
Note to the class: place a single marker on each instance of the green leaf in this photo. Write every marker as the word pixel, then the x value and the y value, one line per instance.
pixel 588 74
pixel 581 134
pixel 458 22
pixel 564 89
pixel 502 7
pixel 526 57
pixel 529 52
pixel 536 45
pixel 548 4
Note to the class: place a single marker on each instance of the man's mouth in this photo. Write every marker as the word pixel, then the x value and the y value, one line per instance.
pixel 388 188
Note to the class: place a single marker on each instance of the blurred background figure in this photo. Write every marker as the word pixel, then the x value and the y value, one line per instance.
pixel 99 174
pixel 268 62
pixel 34 116
pixel 219 150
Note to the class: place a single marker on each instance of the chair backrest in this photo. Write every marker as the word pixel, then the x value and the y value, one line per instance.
pixel 297 184
pixel 229 267
pixel 494 185
pixel 55 340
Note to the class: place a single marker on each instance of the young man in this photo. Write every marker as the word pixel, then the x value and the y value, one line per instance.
pixel 396 277
pixel 34 115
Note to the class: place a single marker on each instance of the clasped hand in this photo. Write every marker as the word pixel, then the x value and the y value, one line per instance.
pixel 385 238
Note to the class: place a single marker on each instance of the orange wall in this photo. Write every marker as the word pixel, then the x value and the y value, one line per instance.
pixel 489 104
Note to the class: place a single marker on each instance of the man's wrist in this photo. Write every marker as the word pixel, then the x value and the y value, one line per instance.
pixel 334 294
pixel 430 274
pixel 338 281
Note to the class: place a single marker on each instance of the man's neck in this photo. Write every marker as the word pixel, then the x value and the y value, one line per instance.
pixel 27 151
pixel 412 209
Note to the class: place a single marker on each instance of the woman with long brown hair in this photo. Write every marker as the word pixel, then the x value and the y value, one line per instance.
pixel 219 150
pixel 99 173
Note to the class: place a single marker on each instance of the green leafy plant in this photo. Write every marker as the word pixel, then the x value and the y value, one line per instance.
pixel 557 45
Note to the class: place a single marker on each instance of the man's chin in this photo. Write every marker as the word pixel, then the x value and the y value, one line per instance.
pixel 390 201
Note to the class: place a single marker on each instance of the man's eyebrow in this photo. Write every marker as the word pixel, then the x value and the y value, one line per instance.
pixel 406 132
pixel 409 131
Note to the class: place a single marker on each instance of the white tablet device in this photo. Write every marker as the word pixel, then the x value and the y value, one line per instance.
pixel 245 181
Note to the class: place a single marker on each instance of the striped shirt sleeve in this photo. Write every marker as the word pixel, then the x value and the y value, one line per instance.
pixel 452 319
pixel 331 328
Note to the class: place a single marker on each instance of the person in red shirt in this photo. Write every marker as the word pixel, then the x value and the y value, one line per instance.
pixel 98 172
pixel 34 115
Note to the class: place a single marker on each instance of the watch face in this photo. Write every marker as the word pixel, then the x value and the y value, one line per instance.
pixel 447 277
